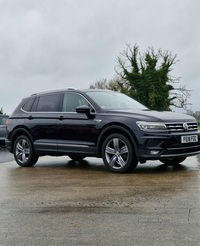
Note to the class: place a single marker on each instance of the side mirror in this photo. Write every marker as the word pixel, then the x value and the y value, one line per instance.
pixel 84 109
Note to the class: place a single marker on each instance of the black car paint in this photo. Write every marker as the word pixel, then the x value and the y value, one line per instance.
pixel 62 133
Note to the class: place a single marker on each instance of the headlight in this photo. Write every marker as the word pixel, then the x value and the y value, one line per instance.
pixel 151 126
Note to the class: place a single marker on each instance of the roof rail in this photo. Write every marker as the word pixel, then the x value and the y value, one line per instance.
pixel 50 91
pixel 71 89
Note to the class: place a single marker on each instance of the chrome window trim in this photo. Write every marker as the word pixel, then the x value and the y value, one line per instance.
pixel 41 112
pixel 48 112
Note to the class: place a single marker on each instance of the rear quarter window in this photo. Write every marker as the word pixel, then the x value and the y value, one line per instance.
pixel 27 106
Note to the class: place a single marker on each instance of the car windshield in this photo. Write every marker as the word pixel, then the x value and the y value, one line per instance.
pixel 109 100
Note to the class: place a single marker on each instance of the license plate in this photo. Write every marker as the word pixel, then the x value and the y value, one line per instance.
pixel 189 139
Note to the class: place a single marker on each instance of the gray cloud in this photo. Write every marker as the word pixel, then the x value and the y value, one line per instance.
pixel 51 44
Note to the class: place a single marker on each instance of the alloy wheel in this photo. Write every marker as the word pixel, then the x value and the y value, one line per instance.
pixel 22 151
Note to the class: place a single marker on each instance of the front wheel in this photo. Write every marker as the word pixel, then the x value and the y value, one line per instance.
pixel 118 154
pixel 23 152
pixel 173 161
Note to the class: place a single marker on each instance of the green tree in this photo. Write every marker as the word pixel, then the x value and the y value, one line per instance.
pixel 148 78
pixel 195 114
pixel 1 110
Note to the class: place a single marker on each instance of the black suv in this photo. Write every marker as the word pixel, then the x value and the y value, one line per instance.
pixel 98 123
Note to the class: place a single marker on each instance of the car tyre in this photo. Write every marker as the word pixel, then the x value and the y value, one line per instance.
pixel 118 154
pixel 173 161
pixel 23 152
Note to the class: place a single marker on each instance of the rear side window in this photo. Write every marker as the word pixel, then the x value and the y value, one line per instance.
pixel 49 103
pixel 28 104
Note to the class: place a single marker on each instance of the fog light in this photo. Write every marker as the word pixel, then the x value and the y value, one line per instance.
pixel 154 152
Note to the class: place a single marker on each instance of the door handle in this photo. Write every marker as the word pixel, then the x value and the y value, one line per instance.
pixel 30 117
pixel 61 118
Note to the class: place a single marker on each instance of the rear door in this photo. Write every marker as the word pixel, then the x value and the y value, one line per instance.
pixel 41 121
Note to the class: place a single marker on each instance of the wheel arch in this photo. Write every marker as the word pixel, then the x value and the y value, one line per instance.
pixel 18 132
pixel 116 129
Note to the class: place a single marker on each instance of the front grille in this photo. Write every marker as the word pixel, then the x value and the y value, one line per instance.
pixel 178 127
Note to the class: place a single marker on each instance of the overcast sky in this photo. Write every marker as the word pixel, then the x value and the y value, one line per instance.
pixel 48 44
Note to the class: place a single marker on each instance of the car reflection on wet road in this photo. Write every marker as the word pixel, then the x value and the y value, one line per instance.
pixel 61 202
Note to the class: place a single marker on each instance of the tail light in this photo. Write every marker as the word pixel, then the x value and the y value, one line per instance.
pixel 7 122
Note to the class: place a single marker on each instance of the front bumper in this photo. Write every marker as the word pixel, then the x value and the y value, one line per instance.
pixel 165 146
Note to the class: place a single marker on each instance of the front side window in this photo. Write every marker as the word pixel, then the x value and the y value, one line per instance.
pixel 48 103
pixel 72 100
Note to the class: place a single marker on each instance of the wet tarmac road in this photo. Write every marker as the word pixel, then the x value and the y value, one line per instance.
pixel 5 155
pixel 61 202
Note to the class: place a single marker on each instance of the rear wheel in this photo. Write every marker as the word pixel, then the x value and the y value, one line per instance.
pixel 173 161
pixel 117 154
pixel 23 152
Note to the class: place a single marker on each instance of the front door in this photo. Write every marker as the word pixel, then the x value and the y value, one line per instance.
pixel 76 133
